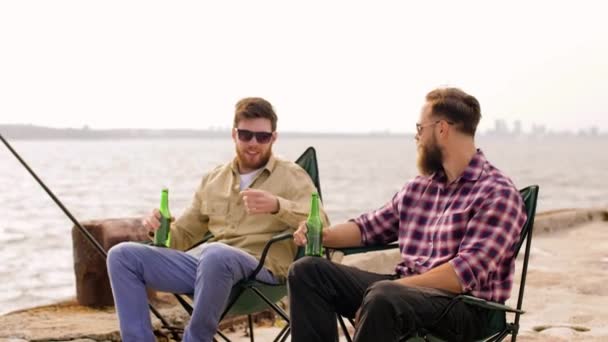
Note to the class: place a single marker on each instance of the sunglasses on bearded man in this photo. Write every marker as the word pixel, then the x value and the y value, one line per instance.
pixel 246 135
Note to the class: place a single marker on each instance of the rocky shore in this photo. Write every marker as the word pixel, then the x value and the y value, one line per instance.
pixel 566 297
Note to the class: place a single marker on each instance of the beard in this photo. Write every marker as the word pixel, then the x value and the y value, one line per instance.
pixel 430 158
pixel 248 162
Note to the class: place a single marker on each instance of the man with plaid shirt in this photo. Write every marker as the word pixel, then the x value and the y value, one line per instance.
pixel 457 226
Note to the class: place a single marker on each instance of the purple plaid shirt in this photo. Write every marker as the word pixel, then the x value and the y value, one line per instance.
pixel 472 223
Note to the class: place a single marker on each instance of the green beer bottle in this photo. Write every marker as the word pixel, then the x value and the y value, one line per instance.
pixel 162 237
pixel 314 225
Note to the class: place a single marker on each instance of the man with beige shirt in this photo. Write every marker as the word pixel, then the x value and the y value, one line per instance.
pixel 243 203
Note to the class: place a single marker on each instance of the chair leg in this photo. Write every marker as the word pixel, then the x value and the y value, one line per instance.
pixel 500 336
pixel 287 332
pixel 344 330
pixel 184 304
pixel 250 321
pixel 280 336
pixel 505 333
pixel 276 308
pixel 223 336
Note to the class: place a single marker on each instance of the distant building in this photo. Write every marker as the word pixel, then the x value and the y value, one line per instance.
pixel 539 130
pixel 594 131
pixel 517 129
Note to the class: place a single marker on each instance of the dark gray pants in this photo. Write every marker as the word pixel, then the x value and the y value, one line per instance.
pixel 318 289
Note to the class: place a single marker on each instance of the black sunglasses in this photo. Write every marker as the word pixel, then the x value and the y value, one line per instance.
pixel 246 135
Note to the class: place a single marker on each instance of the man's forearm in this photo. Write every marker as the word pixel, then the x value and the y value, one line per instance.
pixel 342 235
pixel 442 277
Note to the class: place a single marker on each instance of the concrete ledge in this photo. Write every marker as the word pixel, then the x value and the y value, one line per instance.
pixel 556 220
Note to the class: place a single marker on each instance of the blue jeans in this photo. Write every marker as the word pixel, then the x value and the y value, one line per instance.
pixel 209 277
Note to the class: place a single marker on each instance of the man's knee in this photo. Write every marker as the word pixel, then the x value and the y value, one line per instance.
pixel 122 253
pixel 381 290
pixel 216 256
pixel 216 250
pixel 387 295
pixel 382 294
pixel 305 267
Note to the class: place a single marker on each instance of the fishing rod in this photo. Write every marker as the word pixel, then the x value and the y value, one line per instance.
pixel 86 233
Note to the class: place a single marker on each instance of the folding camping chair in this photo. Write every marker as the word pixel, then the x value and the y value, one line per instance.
pixel 498 327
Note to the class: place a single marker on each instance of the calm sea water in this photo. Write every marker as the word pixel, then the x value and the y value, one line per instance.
pixel 104 179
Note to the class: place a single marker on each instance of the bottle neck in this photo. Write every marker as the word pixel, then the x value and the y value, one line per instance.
pixel 164 203
pixel 314 206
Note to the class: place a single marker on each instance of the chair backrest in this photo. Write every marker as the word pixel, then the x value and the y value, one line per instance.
pixel 497 323
pixel 530 196
pixel 308 161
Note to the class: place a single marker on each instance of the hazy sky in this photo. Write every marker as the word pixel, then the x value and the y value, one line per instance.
pixel 325 65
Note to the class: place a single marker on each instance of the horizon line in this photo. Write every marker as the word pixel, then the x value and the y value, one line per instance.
pixel 536 129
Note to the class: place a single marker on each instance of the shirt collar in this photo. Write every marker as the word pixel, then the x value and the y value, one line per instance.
pixel 471 173
pixel 270 166
pixel 475 168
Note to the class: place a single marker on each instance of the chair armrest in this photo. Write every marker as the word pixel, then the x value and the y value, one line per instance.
pixel 487 304
pixel 365 249
pixel 206 238
pixel 476 302
pixel 280 237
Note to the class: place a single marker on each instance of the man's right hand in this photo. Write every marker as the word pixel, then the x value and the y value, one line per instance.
pixel 341 235
pixel 299 236
pixel 152 221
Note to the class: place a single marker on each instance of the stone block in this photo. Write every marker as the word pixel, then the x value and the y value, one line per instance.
pixel 92 282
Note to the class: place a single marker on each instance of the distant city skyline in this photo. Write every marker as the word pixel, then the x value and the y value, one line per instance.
pixel 517 128
pixel 338 66
pixel 501 129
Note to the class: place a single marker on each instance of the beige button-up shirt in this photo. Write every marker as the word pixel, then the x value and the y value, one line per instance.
pixel 218 208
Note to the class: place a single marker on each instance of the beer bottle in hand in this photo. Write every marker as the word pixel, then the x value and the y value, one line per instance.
pixel 162 237
pixel 314 225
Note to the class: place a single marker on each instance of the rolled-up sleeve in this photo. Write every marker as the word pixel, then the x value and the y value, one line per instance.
pixel 381 226
pixel 490 236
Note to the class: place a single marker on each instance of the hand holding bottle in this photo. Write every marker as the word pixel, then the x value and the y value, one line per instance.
pixel 159 224
pixel 299 236
pixel 152 221
pixel 314 229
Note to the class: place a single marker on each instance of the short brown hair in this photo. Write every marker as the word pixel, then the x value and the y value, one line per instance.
pixel 253 108
pixel 456 106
